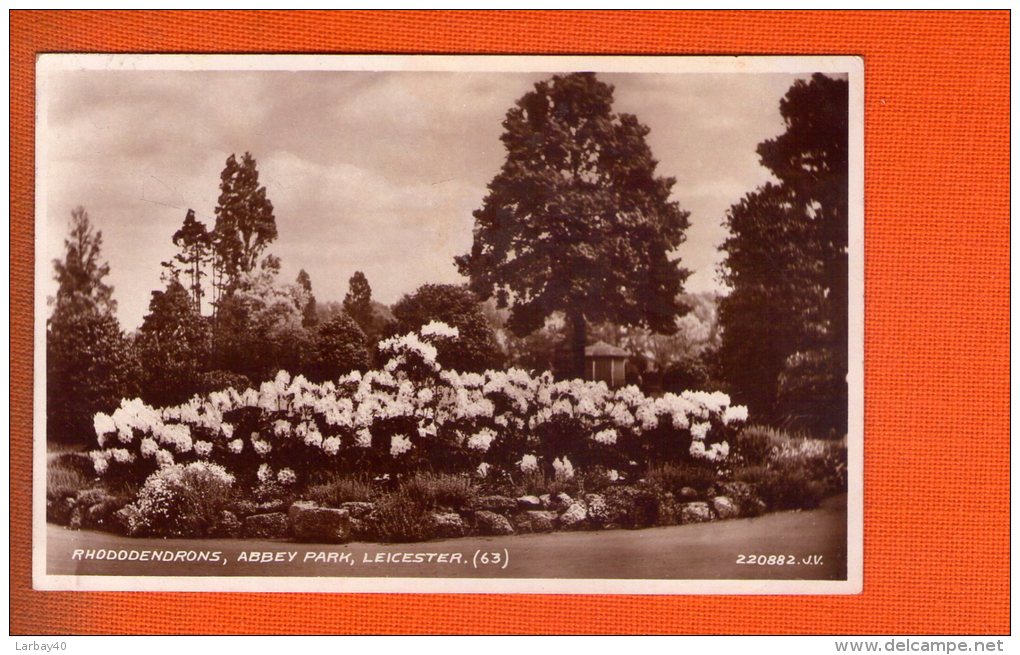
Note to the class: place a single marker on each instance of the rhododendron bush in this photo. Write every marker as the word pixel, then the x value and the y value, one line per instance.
pixel 413 414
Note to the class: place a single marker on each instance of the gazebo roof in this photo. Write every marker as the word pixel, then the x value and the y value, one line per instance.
pixel 603 349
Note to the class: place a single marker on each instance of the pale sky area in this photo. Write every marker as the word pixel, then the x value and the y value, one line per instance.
pixel 377 172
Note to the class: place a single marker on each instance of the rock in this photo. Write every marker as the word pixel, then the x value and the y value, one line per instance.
pixel 448 524
pixel 669 510
pixel 59 511
pixel 535 521
pixel 491 523
pixel 322 525
pixel 299 507
pixel 631 507
pixel 357 509
pixel 529 502
pixel 598 510
pixel 273 525
pixel 129 521
pixel 688 494
pixel 574 517
pixel 227 525
pixel 545 500
pixel 744 497
pixel 725 508
pixel 270 507
pixel 76 519
pixel 498 504
pixel 698 512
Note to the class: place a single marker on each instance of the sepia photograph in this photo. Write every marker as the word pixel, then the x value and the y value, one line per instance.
pixel 469 324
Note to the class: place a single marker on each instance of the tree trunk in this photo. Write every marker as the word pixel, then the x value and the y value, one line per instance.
pixel 578 341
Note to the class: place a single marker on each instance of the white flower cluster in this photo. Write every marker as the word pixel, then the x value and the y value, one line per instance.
pixel 408 402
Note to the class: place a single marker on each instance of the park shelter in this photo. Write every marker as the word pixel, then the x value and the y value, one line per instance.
pixel 606 363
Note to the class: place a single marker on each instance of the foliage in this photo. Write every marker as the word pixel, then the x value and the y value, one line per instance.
pixel 786 262
pixel 414 415
pixel 181 501
pixel 475 349
pixel 358 301
pixel 400 517
pixel 755 444
pixel 90 366
pixel 339 348
pixel 674 477
pixel 259 326
pixel 337 489
pixel 173 346
pixel 437 490
pixel 577 220
pixel 79 276
pixel 210 381
pixel 194 242
pixel 310 311
pixel 245 223
pixel 63 480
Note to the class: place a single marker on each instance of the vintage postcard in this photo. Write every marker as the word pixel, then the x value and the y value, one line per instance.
pixel 474 324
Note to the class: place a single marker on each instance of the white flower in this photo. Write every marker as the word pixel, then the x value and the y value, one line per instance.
pixel 613 475
pixel 481 440
pixel 265 473
pixel 99 461
pixel 528 463
pixel 313 438
pixel 227 430
pixel 286 477
pixel 606 437
pixel 103 425
pixel 482 470
pixel 164 458
pixel 331 445
pixel 203 448
pixel 236 446
pixel 399 444
pixel 700 430
pixel 149 447
pixel 733 413
pixel 122 455
pixel 563 469
pixel 363 439
pixel 261 447
pixel 439 329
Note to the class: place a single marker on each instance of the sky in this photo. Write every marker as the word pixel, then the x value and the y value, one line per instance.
pixel 371 171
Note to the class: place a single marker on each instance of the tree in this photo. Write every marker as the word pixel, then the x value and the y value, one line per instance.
pixel 340 347
pixel 577 220
pixel 475 349
pixel 358 301
pixel 195 243
pixel 259 329
pixel 784 324
pixel 89 363
pixel 80 274
pixel 173 347
pixel 310 312
pixel 245 223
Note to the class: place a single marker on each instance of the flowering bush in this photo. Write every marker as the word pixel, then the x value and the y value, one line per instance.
pixel 413 414
pixel 180 501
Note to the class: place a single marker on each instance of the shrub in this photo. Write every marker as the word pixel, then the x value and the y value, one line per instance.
pixel 211 381
pixel 439 490
pixel 673 477
pixel 339 347
pixel 338 490
pixel 783 487
pixel 754 444
pixel 64 479
pixel 399 517
pixel 181 501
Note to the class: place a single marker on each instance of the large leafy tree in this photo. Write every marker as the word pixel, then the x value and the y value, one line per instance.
pixel 89 362
pixel 784 324
pixel 173 346
pixel 475 349
pixel 310 311
pixel 194 243
pixel 339 347
pixel 245 223
pixel 577 219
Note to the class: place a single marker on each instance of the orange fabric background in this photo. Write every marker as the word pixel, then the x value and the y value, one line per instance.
pixel 937 313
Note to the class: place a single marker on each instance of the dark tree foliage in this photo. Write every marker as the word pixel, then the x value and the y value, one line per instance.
pixel 476 348
pixel 339 348
pixel 195 243
pixel 310 311
pixel 80 274
pixel 358 301
pixel 784 325
pixel 89 362
pixel 577 219
pixel 173 347
pixel 245 223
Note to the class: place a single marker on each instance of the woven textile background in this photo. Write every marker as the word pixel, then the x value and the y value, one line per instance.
pixel 937 318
